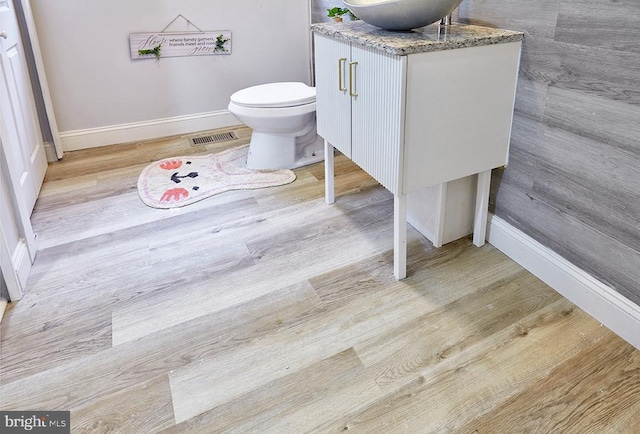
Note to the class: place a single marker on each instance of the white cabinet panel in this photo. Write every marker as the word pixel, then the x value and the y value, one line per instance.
pixel 378 114
pixel 332 58
pixel 459 110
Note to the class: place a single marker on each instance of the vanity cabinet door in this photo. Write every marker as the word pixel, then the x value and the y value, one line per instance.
pixel 333 102
pixel 360 97
pixel 377 113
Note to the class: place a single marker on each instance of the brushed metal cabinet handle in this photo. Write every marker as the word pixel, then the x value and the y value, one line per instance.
pixel 352 79
pixel 341 86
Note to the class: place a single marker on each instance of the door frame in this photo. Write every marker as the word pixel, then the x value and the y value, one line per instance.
pixel 36 52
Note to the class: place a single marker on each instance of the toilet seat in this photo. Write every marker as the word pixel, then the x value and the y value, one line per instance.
pixel 275 95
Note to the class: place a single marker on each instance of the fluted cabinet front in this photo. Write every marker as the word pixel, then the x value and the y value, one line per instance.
pixel 378 115
pixel 360 106
pixel 333 101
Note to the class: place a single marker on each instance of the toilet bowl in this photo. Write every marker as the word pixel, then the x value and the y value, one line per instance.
pixel 283 119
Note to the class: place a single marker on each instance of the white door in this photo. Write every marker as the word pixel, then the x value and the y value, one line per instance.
pixel 19 129
pixel 15 258
pixel 24 163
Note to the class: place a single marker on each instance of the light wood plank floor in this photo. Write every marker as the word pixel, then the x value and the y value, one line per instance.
pixel 269 311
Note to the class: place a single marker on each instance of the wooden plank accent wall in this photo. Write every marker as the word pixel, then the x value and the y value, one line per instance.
pixel 573 180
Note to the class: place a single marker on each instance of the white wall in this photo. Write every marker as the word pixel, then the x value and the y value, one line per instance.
pixel 94 83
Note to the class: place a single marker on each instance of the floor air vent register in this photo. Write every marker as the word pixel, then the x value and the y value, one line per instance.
pixel 212 138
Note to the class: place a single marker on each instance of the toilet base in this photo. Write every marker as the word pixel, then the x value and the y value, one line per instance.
pixel 309 153
pixel 272 151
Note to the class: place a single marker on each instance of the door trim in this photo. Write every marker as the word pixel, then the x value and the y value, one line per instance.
pixel 25 6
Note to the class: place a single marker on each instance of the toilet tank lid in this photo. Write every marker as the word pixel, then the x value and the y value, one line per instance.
pixel 274 95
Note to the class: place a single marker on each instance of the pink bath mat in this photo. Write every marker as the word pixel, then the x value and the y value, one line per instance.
pixel 180 181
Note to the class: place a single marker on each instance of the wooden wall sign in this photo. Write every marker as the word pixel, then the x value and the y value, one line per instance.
pixel 156 45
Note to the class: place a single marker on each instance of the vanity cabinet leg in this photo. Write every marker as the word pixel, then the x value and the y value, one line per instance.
pixel 400 236
pixel 329 188
pixel 482 208
pixel 440 214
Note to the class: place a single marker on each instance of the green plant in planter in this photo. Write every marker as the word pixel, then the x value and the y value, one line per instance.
pixel 338 12
pixel 155 51
pixel 220 41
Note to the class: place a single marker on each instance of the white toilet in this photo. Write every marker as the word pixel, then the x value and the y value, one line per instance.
pixel 283 119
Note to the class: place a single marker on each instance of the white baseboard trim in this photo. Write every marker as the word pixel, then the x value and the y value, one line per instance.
pixel 50 152
pixel 147 130
pixel 613 310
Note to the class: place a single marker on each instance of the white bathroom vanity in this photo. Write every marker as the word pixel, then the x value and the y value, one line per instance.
pixel 427 113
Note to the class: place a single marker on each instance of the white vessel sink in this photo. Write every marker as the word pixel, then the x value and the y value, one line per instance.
pixel 401 14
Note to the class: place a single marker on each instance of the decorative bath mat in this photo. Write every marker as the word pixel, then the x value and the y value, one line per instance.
pixel 180 181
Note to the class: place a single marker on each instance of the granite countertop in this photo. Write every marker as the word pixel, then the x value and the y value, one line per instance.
pixel 425 39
